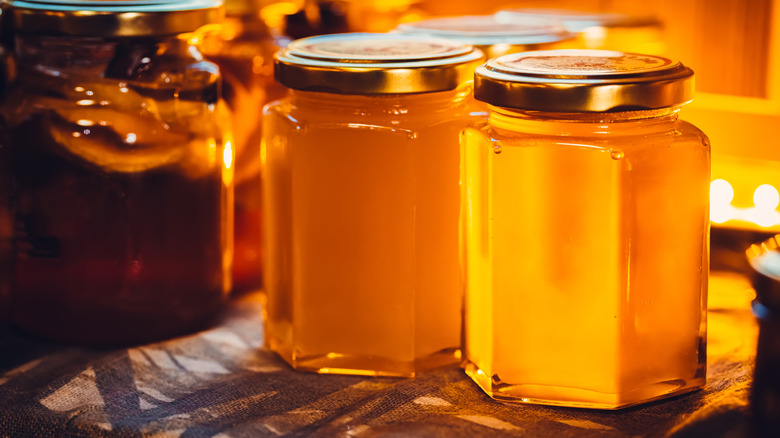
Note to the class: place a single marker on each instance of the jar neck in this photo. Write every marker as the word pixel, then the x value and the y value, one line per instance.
pixel 590 124
pixel 384 104
pixel 59 56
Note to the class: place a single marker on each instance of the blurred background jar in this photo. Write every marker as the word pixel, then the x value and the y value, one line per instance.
pixel 765 392
pixel 597 30
pixel 361 202
pixel 243 46
pixel 121 194
pixel 494 38
pixel 320 17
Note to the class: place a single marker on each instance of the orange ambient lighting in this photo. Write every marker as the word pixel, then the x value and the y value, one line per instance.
pixel 763 214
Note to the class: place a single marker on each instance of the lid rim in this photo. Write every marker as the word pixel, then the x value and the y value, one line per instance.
pixel 113 19
pixel 617 83
pixel 302 66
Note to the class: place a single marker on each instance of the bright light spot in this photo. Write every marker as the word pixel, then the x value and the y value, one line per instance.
pixel 766 198
pixel 85 102
pixel 130 138
pixel 76 134
pixel 123 89
pixel 721 192
pixel 227 155
pixel 499 49
pixel 84 122
pixel 79 89
pixel 721 195
pixel 145 59
pixel 594 36
pixel 90 93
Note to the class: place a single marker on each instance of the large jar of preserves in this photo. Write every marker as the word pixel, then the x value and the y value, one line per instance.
pixel 121 181
pixel 585 230
pixel 244 48
pixel 361 202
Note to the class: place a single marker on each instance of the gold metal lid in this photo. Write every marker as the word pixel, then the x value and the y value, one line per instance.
pixel 485 30
pixel 573 20
pixel 583 81
pixel 375 63
pixel 119 18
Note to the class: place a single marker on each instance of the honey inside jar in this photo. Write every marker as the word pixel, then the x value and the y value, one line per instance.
pixel 362 202
pixel 585 247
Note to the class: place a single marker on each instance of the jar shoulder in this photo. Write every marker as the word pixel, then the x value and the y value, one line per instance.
pixel 597 136
pixel 379 114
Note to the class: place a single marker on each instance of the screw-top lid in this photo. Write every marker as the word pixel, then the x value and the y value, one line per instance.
pixel 583 81
pixel 485 30
pixel 765 260
pixel 374 63
pixel 575 21
pixel 118 18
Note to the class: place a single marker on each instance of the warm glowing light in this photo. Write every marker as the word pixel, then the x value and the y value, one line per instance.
pixel 721 192
pixel 721 195
pixel 79 89
pixel 84 122
pixel 131 138
pixel 227 155
pixel 766 198
pixel 85 102
pixel 594 36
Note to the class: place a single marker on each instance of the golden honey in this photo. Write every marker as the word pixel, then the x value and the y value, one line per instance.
pixel 361 203
pixel 585 231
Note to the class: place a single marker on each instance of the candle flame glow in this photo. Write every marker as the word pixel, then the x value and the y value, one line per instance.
pixel 766 199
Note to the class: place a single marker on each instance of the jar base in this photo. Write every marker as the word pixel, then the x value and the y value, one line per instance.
pixel 335 363
pixel 578 397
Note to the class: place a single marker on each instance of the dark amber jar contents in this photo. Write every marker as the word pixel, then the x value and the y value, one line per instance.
pixel 244 48
pixel 121 183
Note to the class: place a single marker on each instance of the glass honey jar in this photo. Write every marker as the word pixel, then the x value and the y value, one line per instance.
pixel 493 37
pixel 361 203
pixel 243 48
pixel 121 171
pixel 585 230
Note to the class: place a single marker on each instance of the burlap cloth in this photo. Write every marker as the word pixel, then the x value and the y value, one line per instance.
pixel 223 383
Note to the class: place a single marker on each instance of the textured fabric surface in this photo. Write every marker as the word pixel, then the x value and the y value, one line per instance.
pixel 223 383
